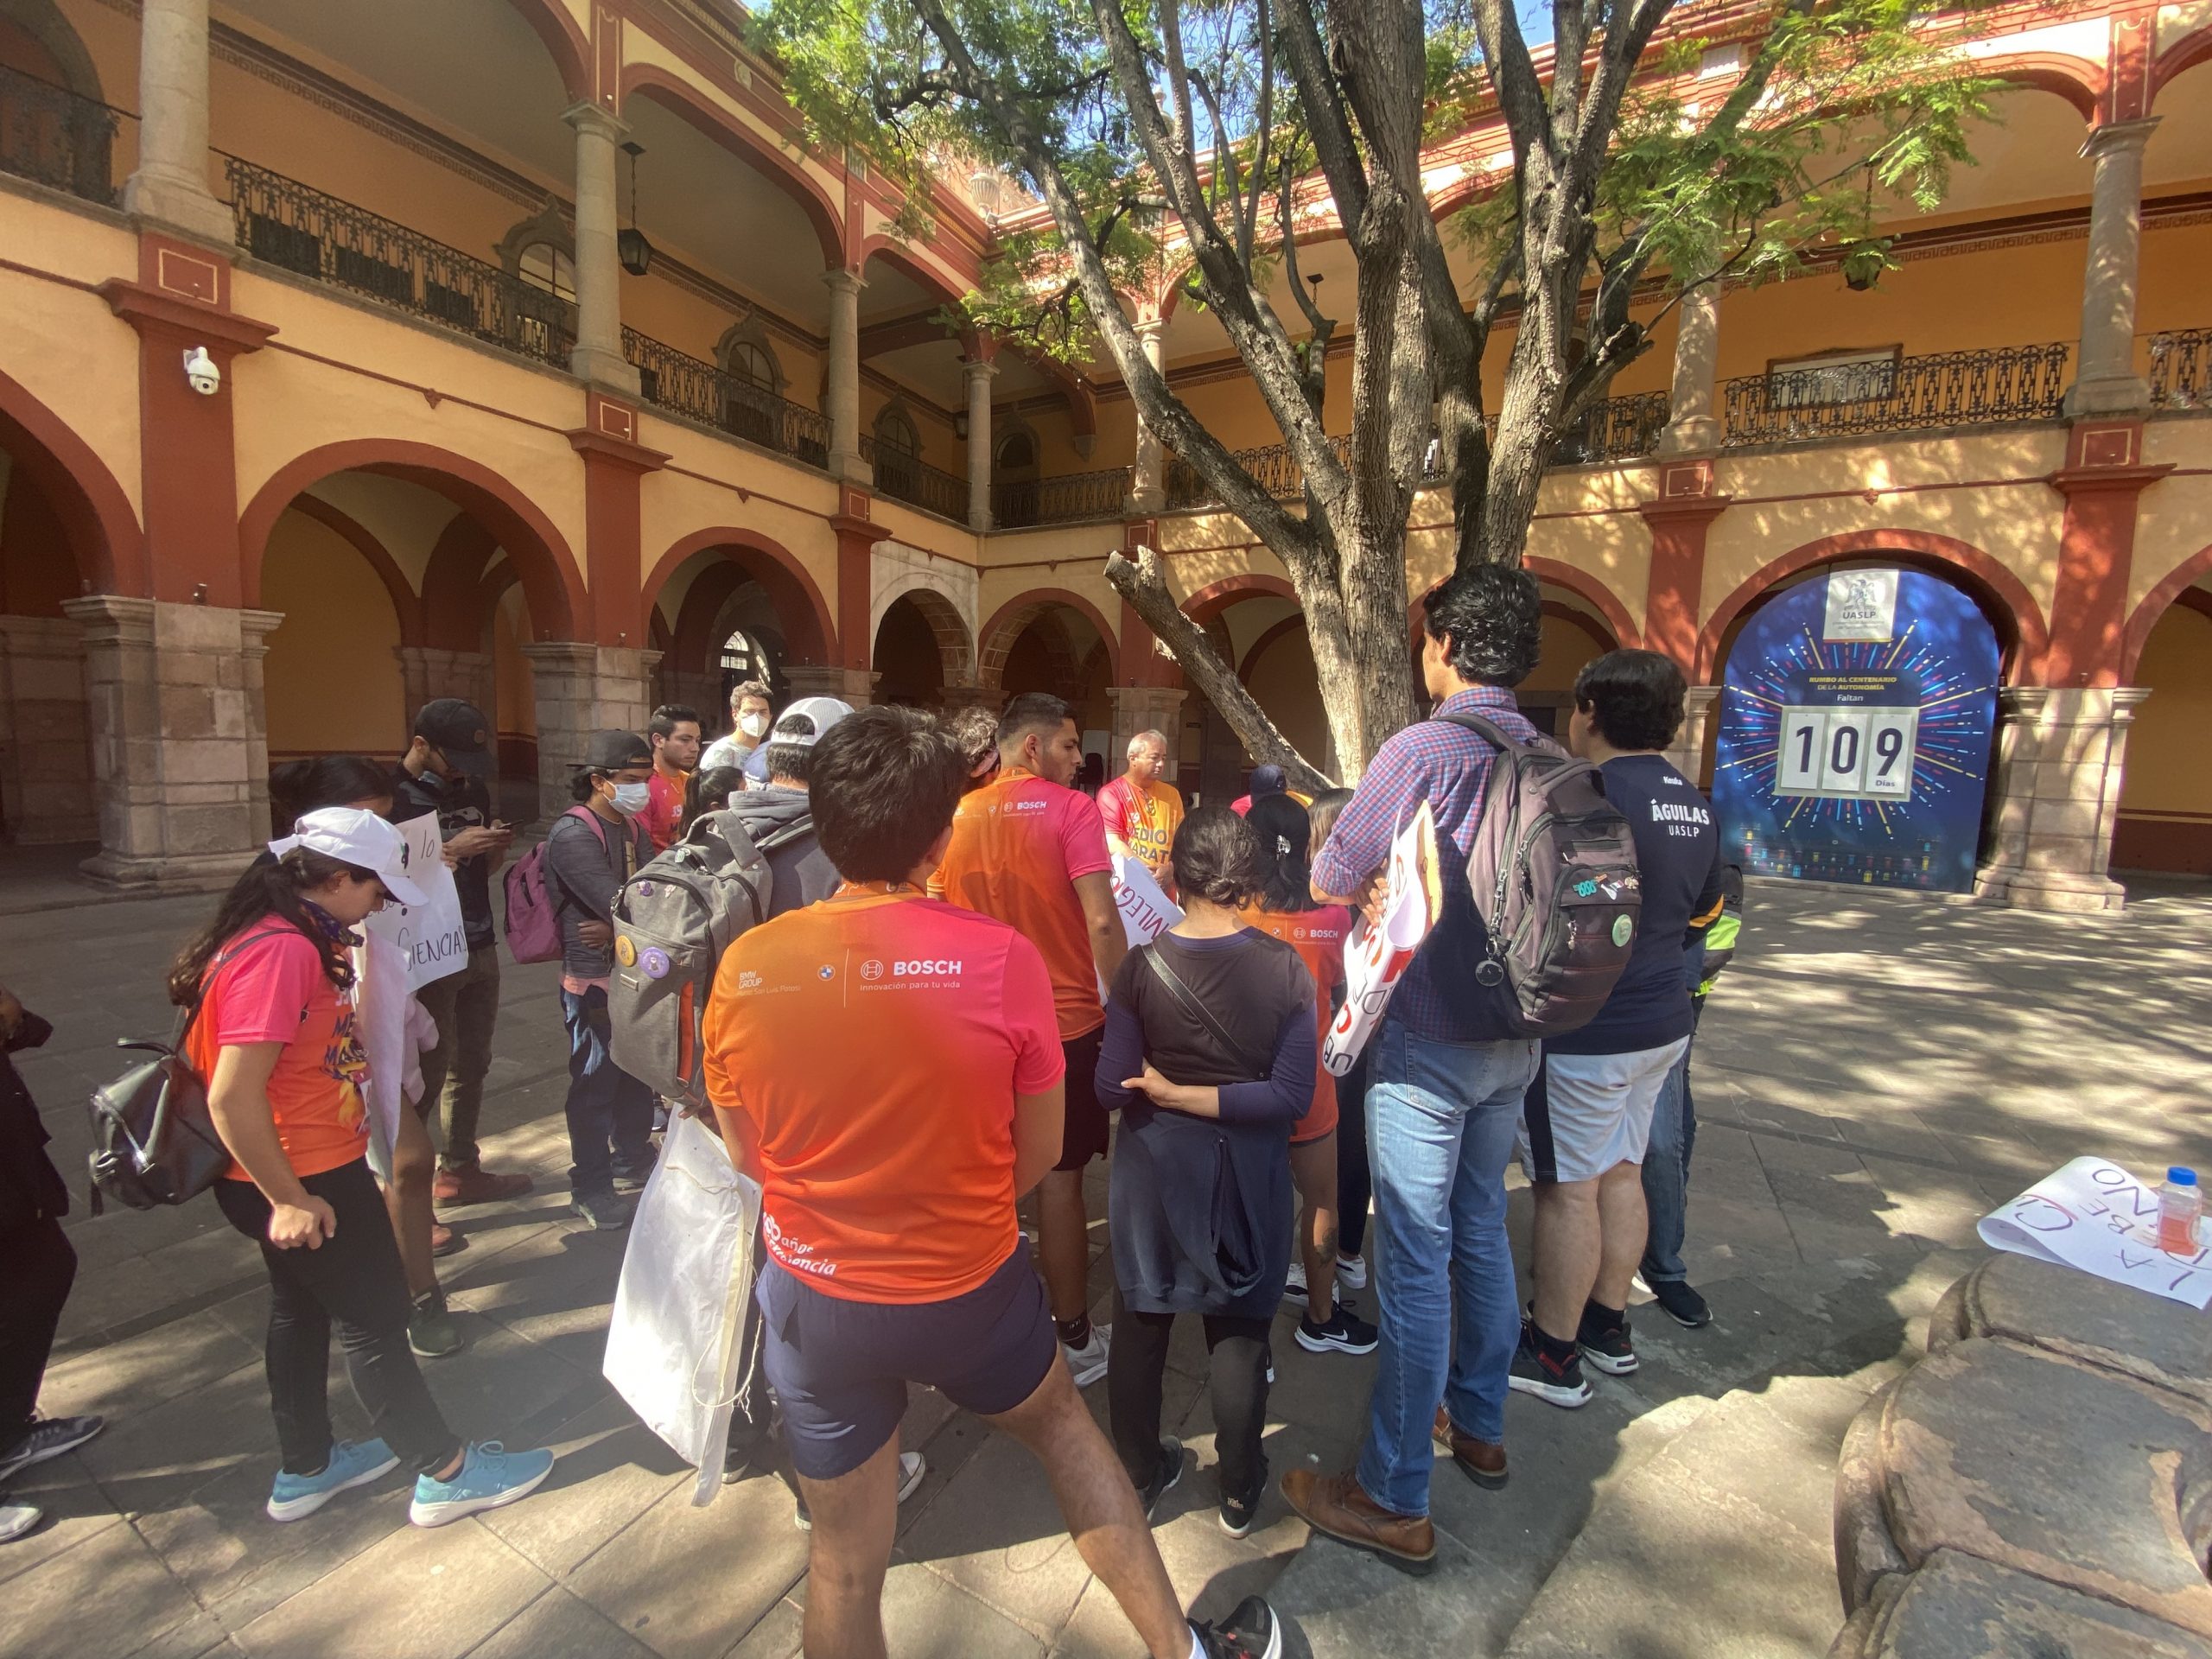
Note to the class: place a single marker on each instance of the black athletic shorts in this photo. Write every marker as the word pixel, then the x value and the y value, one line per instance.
pixel 1087 1131
pixel 840 1369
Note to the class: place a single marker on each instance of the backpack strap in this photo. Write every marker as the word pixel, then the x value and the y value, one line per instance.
pixel 1488 730
pixel 1187 1000
pixel 552 873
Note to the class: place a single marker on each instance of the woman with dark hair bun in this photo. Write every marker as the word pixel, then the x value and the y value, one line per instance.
pixel 709 791
pixel 299 787
pixel 1209 1056
pixel 1284 911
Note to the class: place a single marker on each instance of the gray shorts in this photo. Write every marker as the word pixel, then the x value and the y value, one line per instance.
pixel 1585 1113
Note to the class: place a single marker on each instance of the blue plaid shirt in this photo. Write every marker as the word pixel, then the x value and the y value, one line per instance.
pixel 1448 766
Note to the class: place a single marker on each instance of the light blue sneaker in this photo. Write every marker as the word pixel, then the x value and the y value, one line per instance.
pixel 490 1477
pixel 353 1463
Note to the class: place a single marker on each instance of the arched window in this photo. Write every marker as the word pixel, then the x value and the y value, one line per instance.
pixel 548 270
pixel 751 364
pixel 1017 451
pixel 895 432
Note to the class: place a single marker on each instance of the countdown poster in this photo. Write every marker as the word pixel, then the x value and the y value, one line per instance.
pixel 1855 722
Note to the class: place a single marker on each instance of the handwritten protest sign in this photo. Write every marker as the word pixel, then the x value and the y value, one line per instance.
pixel 1375 958
pixel 1147 913
pixel 2093 1215
pixel 430 936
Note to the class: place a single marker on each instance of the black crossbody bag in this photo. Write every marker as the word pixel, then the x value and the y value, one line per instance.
pixel 1187 1000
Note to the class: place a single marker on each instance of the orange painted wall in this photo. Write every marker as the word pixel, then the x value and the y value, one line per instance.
pixel 2165 803
pixel 334 685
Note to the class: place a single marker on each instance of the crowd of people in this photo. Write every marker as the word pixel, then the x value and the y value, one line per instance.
pixel 940 1015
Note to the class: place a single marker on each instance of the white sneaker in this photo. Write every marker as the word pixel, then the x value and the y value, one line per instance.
pixel 1089 1361
pixel 1351 1272
pixel 1293 1288
pixel 17 1519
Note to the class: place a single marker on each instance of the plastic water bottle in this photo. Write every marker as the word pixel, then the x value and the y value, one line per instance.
pixel 2180 1202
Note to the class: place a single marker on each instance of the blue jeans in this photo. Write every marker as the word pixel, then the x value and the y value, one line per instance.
pixel 1667 1176
pixel 1440 1123
pixel 610 1112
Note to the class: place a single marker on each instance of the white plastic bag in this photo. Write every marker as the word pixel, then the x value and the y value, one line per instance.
pixel 672 1349
pixel 1375 957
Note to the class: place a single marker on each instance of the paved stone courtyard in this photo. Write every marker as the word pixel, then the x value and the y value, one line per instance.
pixel 1874 1073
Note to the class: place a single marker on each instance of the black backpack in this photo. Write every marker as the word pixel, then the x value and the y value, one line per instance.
pixel 154 1139
pixel 1553 876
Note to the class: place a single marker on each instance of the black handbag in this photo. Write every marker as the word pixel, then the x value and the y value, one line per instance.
pixel 154 1139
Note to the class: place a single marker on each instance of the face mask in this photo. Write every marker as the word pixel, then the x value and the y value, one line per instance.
pixel 753 725
pixel 633 798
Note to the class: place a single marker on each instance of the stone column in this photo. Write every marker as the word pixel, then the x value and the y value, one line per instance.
pixel 853 685
pixel 427 672
pixel 582 688
pixel 1692 428
pixel 180 739
pixel 170 185
pixel 46 772
pixel 2060 757
pixel 845 397
pixel 1687 754
pixel 597 357
pixel 1148 482
pixel 2105 378
pixel 980 372
pixel 1146 708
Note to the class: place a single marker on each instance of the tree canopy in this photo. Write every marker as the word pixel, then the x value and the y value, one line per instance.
pixel 1192 149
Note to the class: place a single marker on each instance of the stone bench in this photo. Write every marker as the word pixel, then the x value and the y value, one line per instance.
pixel 2040 1485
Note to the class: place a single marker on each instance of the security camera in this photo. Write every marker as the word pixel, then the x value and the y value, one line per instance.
pixel 201 370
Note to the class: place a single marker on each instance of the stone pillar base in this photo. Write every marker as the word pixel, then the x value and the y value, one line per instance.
pixel 846 466
pixel 1146 708
pixel 1687 754
pixel 582 688
pixel 2118 394
pixel 182 204
pixel 853 685
pixel 2062 754
pixel 205 873
pixel 1693 434
pixel 46 771
pixel 426 673
pixel 1147 501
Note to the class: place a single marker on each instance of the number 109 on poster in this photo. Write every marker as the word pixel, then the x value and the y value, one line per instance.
pixel 1858 752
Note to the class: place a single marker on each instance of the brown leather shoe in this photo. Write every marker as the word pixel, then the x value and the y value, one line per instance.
pixel 1481 1461
pixel 1336 1505
pixel 476 1185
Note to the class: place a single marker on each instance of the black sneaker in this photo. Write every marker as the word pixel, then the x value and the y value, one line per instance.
pixel 1680 1303
pixel 1533 1372
pixel 1238 1514
pixel 1165 1478
pixel 1605 1342
pixel 1250 1632
pixel 607 1212
pixel 47 1437
pixel 1345 1333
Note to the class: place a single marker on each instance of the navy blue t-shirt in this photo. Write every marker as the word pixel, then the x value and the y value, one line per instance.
pixel 1678 855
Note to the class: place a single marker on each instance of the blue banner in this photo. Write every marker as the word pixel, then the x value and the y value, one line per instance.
pixel 1855 721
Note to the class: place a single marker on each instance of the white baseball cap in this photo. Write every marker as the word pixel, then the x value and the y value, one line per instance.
pixel 362 839
pixel 824 712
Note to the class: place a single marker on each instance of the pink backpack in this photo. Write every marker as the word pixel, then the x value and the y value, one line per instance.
pixel 533 909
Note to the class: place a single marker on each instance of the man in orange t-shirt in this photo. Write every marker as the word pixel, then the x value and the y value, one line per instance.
pixel 1141 810
pixel 1030 851
pixel 889 1068
pixel 673 732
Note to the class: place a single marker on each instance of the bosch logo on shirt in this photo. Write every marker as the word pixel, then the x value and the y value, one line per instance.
pixel 905 973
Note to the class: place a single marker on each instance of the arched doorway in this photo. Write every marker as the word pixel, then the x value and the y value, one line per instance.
pixel 2165 800
pixel 921 649
pixel 1058 643
pixel 735 607
pixel 1574 635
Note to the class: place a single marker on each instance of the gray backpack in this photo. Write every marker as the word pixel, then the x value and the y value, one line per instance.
pixel 1552 875
pixel 673 919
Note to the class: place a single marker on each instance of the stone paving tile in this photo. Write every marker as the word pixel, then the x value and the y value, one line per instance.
pixel 611 1469
pixel 108 1594
pixel 927 1615
pixel 558 1626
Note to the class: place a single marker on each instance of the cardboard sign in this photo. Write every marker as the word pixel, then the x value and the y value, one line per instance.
pixel 2094 1216
pixel 1376 958
pixel 430 936
pixel 1147 913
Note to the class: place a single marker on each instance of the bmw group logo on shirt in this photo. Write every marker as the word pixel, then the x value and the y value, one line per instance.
pixel 825 972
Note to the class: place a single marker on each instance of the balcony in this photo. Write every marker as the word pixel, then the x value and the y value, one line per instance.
pixel 1073 499
pixel 2180 369
pixel 698 391
pixel 284 224
pixel 52 137
pixel 905 477
pixel 1943 391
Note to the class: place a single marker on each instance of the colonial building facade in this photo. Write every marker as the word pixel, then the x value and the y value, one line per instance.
pixel 517 349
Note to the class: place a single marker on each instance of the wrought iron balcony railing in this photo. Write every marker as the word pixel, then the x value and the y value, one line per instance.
pixel 2181 369
pixel 1910 394
pixel 1620 428
pixel 51 135
pixel 1069 499
pixel 700 391
pixel 286 224
pixel 908 478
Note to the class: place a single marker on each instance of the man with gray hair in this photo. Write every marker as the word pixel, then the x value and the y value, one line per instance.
pixel 1141 810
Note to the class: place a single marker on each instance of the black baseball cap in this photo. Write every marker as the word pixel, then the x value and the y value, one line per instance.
pixel 615 751
pixel 458 729
pixel 1268 780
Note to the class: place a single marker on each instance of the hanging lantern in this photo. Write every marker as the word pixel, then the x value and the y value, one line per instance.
pixel 630 246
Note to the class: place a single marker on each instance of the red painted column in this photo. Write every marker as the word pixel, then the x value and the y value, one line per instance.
pixel 852 677
pixel 1678 521
pixel 2103 481
pixel 615 465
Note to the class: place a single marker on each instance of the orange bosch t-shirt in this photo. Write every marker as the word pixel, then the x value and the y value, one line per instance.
pixel 1318 936
pixel 1145 818
pixel 876 1042
pixel 1018 845
pixel 267 986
